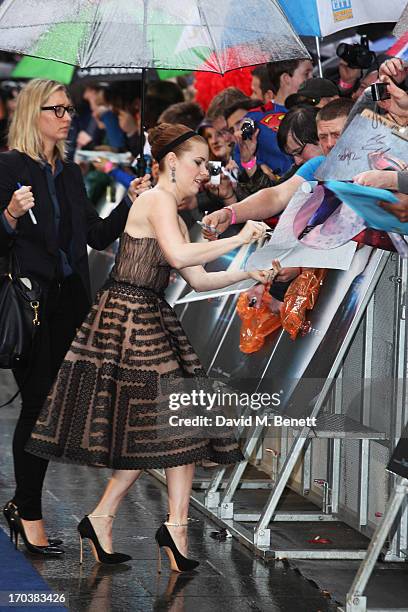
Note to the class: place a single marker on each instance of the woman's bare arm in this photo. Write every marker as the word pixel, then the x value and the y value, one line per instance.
pixel 163 218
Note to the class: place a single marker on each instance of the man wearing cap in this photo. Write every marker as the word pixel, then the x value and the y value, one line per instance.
pixel 317 92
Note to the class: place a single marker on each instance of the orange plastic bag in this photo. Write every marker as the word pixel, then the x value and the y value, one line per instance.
pixel 301 296
pixel 257 323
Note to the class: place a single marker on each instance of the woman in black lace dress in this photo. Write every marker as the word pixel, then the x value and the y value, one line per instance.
pixel 108 407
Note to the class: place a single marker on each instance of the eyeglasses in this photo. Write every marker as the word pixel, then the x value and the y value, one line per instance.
pixel 297 152
pixel 60 110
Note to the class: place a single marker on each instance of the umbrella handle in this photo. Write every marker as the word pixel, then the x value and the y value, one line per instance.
pixel 141 166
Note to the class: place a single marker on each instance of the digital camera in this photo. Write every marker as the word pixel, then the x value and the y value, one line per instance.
pixel 247 128
pixel 214 170
pixel 379 91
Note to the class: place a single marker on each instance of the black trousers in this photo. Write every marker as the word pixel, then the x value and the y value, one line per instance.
pixel 61 316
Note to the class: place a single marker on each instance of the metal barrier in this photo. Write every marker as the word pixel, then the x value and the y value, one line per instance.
pixel 359 326
pixel 356 601
pixel 345 315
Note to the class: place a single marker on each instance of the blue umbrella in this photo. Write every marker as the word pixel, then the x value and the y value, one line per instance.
pixel 323 17
pixel 320 18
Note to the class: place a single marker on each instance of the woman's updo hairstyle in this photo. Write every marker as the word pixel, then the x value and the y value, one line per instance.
pixel 164 133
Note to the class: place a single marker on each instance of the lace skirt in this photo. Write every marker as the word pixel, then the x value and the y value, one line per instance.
pixel 107 407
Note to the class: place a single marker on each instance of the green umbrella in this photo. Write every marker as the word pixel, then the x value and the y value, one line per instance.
pixel 38 68
pixel 207 35
pixel 161 34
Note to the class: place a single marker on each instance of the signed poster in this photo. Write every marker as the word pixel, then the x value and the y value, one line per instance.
pixel 369 143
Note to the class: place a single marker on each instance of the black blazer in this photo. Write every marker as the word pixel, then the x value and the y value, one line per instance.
pixel 36 246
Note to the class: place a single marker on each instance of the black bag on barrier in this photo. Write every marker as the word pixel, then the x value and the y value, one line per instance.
pixel 19 315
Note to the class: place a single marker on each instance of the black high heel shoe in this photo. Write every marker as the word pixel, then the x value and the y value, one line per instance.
pixel 8 511
pixel 18 530
pixel 178 562
pixel 86 531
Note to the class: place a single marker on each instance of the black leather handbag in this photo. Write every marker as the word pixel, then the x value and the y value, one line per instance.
pixel 20 299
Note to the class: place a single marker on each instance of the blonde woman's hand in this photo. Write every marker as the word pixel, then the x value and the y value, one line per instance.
pixel 21 202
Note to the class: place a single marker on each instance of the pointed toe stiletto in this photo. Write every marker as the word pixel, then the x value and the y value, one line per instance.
pixel 8 511
pixel 86 531
pixel 18 530
pixel 178 562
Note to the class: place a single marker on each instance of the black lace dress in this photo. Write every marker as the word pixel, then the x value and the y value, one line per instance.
pixel 105 408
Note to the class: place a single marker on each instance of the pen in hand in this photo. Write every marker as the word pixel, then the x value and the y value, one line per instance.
pixel 209 228
pixel 30 212
pixel 268 231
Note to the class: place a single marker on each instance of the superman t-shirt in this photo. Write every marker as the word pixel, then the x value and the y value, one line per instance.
pixel 267 119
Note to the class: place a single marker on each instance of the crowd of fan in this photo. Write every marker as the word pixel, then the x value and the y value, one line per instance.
pixel 267 144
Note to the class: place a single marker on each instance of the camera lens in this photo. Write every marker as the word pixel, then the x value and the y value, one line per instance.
pixel 247 129
pixel 341 50
pixel 214 168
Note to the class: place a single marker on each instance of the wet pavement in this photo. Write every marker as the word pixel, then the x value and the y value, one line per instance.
pixel 229 576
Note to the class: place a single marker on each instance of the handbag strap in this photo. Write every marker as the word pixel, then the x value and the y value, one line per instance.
pixel 14 268
pixel 12 398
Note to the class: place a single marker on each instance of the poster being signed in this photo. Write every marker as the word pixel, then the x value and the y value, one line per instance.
pixel 370 142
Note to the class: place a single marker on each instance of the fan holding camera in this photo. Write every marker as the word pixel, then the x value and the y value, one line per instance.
pixel 353 60
pixel 253 130
pixel 247 141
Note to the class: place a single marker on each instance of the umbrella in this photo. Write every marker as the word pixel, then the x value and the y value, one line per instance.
pixel 149 33
pixel 320 18
pixel 39 68
pixel 402 24
pixel 35 67
pixel 204 35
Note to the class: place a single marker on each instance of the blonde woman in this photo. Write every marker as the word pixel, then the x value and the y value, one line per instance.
pixel 46 218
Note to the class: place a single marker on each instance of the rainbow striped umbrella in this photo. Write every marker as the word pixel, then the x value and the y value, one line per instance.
pixel 166 34
pixel 207 35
